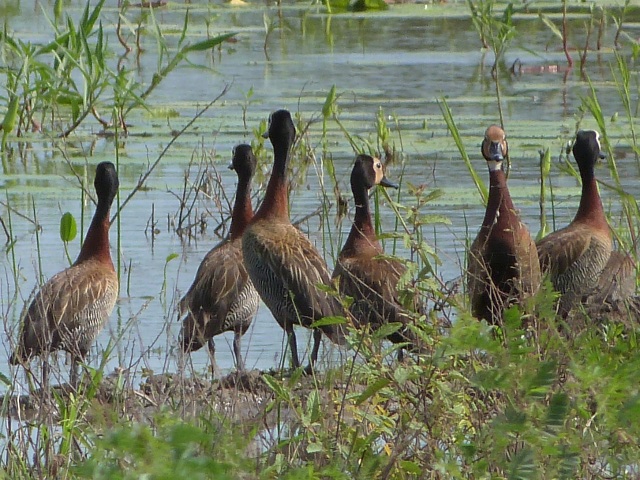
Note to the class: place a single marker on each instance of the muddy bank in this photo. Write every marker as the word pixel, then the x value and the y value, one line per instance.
pixel 239 396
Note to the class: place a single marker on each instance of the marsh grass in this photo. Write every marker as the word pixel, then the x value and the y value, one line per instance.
pixel 45 97
pixel 453 130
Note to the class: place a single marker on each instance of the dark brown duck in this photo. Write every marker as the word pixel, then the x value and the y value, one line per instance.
pixel 362 272
pixel 222 297
pixel 502 263
pixel 69 311
pixel 283 264
pixel 576 255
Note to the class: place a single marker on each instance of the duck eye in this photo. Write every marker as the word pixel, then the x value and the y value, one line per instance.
pixel 378 165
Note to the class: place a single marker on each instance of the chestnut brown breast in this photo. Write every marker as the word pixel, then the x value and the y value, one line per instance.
pixel 222 297
pixel 362 272
pixel 502 263
pixel 72 307
pixel 576 255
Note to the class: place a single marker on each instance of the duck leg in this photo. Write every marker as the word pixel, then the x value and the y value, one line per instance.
pixel 401 354
pixel 317 336
pixel 237 351
pixel 293 345
pixel 211 345
pixel 73 380
pixel 44 386
pixel 45 374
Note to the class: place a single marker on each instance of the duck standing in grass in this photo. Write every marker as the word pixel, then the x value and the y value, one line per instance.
pixel 282 263
pixel 502 262
pixel 363 273
pixel 222 297
pixel 69 310
pixel 576 256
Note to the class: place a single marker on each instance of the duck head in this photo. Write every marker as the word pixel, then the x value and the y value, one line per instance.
pixel 106 182
pixel 244 161
pixel 586 148
pixel 280 127
pixel 494 147
pixel 369 171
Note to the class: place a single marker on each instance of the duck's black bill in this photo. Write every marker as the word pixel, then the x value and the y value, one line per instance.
pixel 386 183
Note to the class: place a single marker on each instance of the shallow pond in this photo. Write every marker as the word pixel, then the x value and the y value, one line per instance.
pixel 404 61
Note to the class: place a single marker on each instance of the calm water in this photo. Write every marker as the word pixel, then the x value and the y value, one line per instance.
pixel 402 62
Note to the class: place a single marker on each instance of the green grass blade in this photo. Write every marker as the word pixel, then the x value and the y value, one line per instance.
pixel 453 129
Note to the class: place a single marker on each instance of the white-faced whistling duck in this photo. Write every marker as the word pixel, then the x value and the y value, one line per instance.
pixel 283 264
pixel 69 311
pixel 362 272
pixel 576 255
pixel 502 263
pixel 222 297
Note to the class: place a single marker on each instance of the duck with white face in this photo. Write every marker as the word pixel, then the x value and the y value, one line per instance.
pixel 502 264
pixel 362 271
pixel 575 256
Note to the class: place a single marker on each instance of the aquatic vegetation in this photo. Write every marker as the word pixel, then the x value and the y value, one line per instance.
pixel 42 79
pixel 341 6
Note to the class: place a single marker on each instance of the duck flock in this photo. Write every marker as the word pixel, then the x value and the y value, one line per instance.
pixel 266 258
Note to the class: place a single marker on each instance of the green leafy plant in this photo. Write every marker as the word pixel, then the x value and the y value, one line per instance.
pixel 42 90
pixel 453 130
pixel 68 231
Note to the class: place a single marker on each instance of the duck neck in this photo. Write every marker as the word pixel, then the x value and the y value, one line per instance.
pixel 242 210
pixel 590 208
pixel 96 243
pixel 362 235
pixel 276 199
pixel 499 197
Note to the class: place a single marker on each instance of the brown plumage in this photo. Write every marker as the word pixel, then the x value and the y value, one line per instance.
pixel 70 309
pixel 613 299
pixel 222 297
pixel 617 282
pixel 576 255
pixel 282 263
pixel 502 263
pixel 363 273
